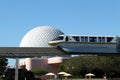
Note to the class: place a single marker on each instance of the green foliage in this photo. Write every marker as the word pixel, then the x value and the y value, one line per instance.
pixel 99 65
pixel 39 71
pixel 9 74
pixel 23 73
pixel 29 75
pixel 3 64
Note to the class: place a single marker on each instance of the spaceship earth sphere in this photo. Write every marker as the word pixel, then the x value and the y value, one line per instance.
pixel 40 36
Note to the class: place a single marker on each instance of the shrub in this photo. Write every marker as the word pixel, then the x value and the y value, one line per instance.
pixel 39 71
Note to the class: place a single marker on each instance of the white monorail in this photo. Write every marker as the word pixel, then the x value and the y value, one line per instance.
pixel 86 44
pixel 89 39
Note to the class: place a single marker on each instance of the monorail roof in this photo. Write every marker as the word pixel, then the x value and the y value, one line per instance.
pixel 89 35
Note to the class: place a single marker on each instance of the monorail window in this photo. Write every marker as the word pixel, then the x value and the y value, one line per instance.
pixel 60 38
pixel 109 39
pixel 84 39
pixel 93 39
pixel 76 38
pixel 101 39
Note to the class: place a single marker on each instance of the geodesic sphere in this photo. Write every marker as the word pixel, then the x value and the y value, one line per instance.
pixel 40 36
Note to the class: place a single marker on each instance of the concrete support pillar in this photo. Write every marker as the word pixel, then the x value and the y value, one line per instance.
pixel 16 69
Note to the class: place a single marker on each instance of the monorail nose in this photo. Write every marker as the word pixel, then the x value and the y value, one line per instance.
pixel 53 43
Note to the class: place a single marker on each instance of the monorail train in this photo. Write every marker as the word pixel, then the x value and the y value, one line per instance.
pixel 90 39
pixel 86 44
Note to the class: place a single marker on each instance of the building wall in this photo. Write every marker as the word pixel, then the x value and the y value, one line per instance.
pixel 50 64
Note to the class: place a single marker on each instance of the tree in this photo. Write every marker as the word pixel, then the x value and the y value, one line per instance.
pixel 3 64
pixel 99 65
pixel 23 74
pixel 9 74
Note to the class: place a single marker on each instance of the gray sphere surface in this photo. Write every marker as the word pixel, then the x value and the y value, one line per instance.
pixel 40 36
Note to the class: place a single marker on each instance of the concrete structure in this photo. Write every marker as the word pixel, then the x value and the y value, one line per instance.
pixel 51 64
